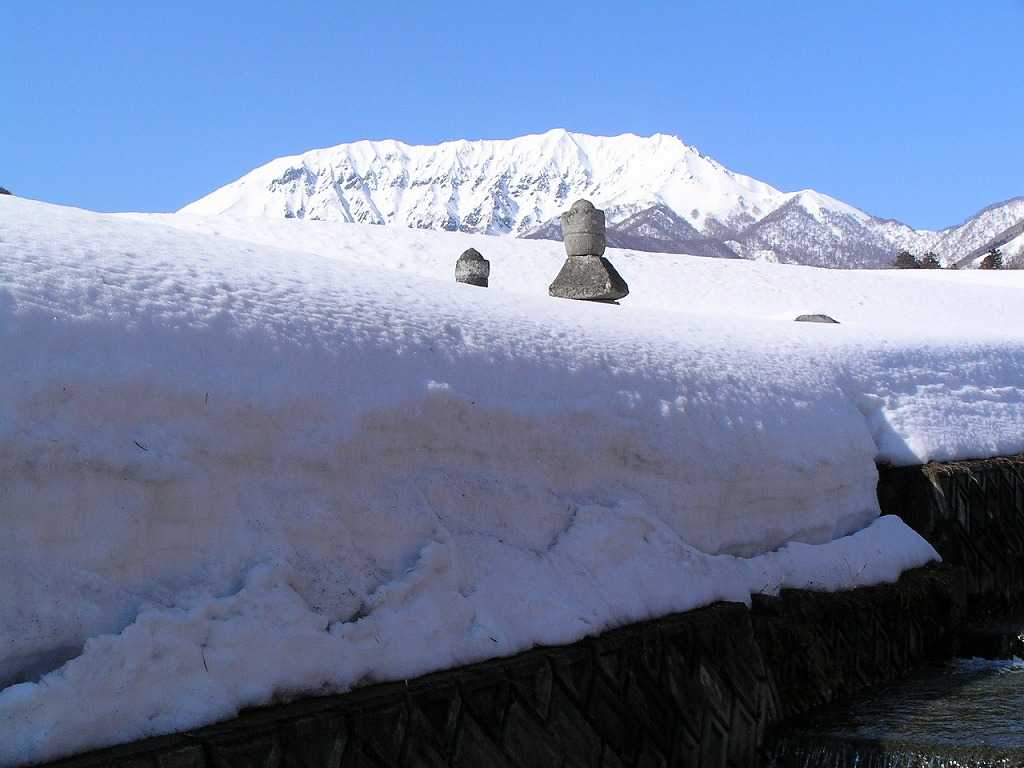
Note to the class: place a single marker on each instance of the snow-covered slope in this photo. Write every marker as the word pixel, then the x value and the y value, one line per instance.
pixel 659 193
pixel 246 459
pixel 979 230
pixel 997 226
pixel 1012 248
pixel 816 230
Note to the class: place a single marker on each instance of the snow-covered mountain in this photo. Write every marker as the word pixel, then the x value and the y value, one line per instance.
pixel 998 226
pixel 498 187
pixel 659 193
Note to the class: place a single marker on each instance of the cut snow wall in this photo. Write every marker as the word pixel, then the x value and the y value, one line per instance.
pixel 700 688
pixel 182 409
pixel 691 689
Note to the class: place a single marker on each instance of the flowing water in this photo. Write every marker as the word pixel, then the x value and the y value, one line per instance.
pixel 965 714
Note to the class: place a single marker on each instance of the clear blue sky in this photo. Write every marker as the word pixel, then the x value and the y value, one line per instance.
pixel 913 110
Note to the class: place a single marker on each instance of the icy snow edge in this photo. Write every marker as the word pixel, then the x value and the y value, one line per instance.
pixel 177 668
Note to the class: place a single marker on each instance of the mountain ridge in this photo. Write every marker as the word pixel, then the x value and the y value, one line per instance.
pixel 659 193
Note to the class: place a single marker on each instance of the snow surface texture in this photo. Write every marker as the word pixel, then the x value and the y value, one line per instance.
pixel 234 471
pixel 659 193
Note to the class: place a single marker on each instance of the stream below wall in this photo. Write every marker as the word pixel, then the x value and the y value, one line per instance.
pixel 968 713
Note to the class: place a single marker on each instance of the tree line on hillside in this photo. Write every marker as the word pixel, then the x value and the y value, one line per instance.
pixel 906 260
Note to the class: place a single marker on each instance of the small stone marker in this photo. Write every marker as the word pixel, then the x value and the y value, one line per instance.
pixel 586 275
pixel 472 268
pixel 816 319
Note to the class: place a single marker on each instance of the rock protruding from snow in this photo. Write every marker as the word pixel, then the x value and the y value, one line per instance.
pixel 816 319
pixel 472 268
pixel 586 274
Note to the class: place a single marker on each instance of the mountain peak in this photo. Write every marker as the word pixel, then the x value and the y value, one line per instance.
pixel 818 204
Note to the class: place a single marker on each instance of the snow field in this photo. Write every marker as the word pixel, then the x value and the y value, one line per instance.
pixel 246 460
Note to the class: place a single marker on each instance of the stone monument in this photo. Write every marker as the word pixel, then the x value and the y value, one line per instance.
pixel 586 275
pixel 472 268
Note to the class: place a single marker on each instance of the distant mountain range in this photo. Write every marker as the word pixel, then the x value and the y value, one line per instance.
pixel 659 195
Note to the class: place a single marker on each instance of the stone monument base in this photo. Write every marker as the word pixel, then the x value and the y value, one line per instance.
pixel 589 278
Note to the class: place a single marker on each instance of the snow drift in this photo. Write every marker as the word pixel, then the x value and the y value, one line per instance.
pixel 234 471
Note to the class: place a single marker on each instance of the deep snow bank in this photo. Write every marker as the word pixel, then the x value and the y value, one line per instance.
pixel 932 357
pixel 235 471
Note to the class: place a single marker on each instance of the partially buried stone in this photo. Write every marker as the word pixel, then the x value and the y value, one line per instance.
pixel 586 275
pixel 816 319
pixel 472 268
